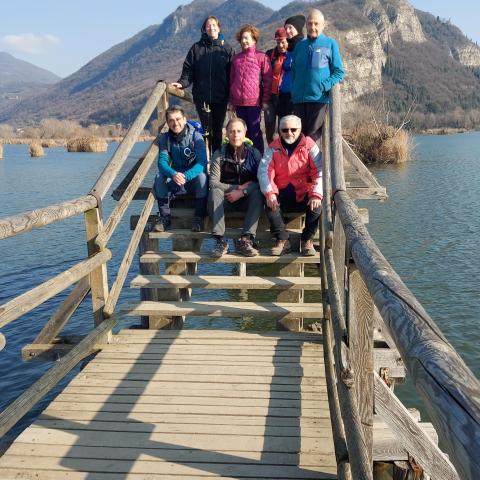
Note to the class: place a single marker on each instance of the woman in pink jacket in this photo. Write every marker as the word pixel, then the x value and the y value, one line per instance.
pixel 250 83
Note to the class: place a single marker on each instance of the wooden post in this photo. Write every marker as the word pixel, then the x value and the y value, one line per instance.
pixel 98 278
pixel 360 334
pixel 148 244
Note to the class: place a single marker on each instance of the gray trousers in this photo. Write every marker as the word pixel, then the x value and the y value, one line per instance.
pixel 252 205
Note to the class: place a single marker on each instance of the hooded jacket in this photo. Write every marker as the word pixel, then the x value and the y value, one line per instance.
pixel 302 169
pixel 250 78
pixel 207 66
pixel 317 67
pixel 286 85
pixel 185 153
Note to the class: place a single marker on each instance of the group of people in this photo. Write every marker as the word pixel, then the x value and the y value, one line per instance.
pixel 290 84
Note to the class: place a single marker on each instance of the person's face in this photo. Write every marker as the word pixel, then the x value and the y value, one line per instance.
pixel 212 29
pixel 176 121
pixel 282 45
pixel 246 40
pixel 291 30
pixel 315 24
pixel 236 134
pixel 290 131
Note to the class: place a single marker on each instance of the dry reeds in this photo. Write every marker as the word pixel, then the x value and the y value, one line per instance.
pixel 87 144
pixel 36 150
pixel 376 143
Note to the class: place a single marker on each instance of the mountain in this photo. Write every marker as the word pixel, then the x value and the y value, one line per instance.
pixel 20 79
pixel 386 45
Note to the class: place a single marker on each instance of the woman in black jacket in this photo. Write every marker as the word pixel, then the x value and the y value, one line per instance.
pixel 207 66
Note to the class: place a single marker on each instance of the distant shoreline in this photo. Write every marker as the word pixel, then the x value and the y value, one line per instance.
pixel 62 142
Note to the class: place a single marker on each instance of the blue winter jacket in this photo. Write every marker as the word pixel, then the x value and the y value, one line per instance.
pixel 317 67
pixel 186 153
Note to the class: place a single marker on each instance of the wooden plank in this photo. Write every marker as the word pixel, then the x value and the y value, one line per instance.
pixel 29 300
pixel 21 405
pixel 110 172
pixel 128 257
pixel 410 434
pixel 450 391
pixel 229 309
pixel 251 335
pixel 148 245
pixel 228 258
pixel 229 233
pixel 24 222
pixel 3 341
pixel 298 344
pixel 64 312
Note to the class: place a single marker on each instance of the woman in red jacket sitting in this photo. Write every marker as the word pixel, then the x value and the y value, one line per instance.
pixel 250 83
pixel 290 177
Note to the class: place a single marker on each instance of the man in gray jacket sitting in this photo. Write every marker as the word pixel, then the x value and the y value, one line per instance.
pixel 182 168
pixel 234 188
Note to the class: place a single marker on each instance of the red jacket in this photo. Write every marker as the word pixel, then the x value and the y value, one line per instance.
pixel 250 78
pixel 303 169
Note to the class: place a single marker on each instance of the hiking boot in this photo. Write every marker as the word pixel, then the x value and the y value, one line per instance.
pixel 198 224
pixel 220 248
pixel 306 247
pixel 163 223
pixel 281 248
pixel 244 246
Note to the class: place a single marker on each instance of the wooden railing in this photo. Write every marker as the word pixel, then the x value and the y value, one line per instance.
pixel 89 275
pixel 357 278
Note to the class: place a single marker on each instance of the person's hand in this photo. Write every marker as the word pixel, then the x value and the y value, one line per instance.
pixel 230 107
pixel 179 178
pixel 314 203
pixel 177 85
pixel 234 195
pixel 244 185
pixel 272 202
pixel 264 107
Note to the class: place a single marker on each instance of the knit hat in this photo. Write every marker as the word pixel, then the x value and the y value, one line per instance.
pixel 280 33
pixel 298 21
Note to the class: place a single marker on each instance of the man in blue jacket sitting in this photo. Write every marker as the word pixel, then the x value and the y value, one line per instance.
pixel 182 167
pixel 317 67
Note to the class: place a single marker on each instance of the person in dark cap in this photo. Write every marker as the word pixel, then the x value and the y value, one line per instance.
pixel 294 28
pixel 277 57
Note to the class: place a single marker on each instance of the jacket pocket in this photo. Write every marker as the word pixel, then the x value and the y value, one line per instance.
pixel 320 57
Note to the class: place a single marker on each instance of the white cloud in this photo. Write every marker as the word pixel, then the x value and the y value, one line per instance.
pixel 30 43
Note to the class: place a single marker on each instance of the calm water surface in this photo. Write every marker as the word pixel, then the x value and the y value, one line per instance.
pixel 428 229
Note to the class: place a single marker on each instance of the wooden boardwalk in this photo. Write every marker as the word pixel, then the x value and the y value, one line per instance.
pixel 187 404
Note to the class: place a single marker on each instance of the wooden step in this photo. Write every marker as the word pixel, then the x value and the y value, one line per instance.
pixel 225 309
pixel 229 233
pixel 225 282
pixel 191 257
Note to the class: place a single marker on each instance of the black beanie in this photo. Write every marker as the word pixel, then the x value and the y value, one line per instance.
pixel 298 21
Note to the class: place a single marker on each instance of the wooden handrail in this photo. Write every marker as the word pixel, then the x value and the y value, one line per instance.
pixel 450 391
pixel 180 93
pixel 27 301
pixel 110 172
pixel 23 222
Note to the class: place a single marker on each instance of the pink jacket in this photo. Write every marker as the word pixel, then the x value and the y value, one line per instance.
pixel 247 69
pixel 303 169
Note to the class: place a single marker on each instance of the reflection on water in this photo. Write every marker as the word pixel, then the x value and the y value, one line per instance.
pixel 428 229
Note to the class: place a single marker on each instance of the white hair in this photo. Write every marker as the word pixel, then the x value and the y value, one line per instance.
pixel 316 11
pixel 290 118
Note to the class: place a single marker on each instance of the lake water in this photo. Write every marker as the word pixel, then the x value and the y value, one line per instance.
pixel 428 229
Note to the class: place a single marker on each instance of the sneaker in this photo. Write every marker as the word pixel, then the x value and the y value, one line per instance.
pixel 198 224
pixel 220 248
pixel 307 249
pixel 244 246
pixel 281 248
pixel 163 223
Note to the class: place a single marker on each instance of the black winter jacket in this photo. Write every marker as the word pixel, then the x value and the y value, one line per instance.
pixel 207 66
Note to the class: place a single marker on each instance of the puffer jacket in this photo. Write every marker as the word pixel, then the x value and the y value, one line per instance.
pixel 185 153
pixel 303 169
pixel 207 66
pixel 286 85
pixel 250 78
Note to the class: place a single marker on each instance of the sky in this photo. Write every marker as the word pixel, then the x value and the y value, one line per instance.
pixel 63 35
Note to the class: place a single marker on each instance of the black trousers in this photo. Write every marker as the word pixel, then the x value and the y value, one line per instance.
pixel 212 122
pixel 312 115
pixel 288 203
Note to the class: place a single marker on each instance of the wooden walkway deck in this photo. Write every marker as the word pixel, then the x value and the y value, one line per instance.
pixel 186 404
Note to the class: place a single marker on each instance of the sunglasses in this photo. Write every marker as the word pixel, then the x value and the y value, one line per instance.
pixel 286 130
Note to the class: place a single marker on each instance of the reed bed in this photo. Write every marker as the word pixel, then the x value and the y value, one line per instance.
pixel 87 144
pixel 36 149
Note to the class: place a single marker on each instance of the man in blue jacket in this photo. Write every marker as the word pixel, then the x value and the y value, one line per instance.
pixel 317 67
pixel 182 166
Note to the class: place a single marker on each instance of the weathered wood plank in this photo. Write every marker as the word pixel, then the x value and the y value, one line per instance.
pixel 24 222
pixel 450 391
pixel 29 300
